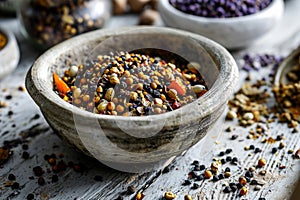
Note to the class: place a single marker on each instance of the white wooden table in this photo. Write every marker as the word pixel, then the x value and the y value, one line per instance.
pixel 28 125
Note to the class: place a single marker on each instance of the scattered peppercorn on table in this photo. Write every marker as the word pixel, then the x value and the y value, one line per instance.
pixel 251 153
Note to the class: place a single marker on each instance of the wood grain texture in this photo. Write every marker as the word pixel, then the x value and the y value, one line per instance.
pixel 24 124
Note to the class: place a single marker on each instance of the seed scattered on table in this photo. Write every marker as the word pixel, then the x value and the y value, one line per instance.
pixel 261 162
pixel 169 195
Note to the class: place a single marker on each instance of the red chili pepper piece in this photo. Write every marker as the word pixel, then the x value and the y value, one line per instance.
pixel 201 93
pixel 176 105
pixel 176 86
pixel 61 86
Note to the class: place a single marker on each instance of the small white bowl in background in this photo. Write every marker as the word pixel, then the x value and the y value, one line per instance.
pixel 232 33
pixel 9 55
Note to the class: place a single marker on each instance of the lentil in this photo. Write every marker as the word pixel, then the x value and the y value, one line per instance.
pixel 261 162
pixel 188 197
pixel 207 174
pixel 242 180
pixel 131 84
pixel 169 195
pixel 227 174
pixel 231 115
pixel 243 191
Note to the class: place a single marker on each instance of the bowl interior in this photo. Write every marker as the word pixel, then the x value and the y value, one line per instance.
pixel 167 46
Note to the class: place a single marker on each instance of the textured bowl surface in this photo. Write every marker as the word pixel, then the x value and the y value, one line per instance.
pixel 230 32
pixel 9 55
pixel 285 67
pixel 134 144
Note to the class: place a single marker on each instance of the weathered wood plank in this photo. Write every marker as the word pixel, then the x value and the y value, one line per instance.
pixel 73 185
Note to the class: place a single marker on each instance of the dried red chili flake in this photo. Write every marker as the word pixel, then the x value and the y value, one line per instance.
pixel 175 105
pixel 178 87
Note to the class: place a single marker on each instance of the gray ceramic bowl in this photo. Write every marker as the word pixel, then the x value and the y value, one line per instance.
pixel 233 32
pixel 9 55
pixel 134 144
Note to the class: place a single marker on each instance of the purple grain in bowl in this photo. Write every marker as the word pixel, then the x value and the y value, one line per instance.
pixel 233 25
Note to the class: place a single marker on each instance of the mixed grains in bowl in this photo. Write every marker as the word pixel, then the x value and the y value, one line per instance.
pixel 133 131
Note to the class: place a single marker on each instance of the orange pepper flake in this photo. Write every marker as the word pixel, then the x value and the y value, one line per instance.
pixel 139 196
pixel 3 40
pixel 61 86
pixel 178 87
pixel 271 140
pixel 201 93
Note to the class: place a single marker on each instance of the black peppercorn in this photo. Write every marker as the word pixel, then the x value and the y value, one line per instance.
pixel 11 177
pixel 215 178
pixel 227 169
pixel 195 186
pixel 227 189
pixel 30 196
pixel 186 182
pixel 228 151
pixel 15 186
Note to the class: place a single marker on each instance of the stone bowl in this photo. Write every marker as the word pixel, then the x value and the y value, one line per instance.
pixel 232 33
pixel 9 55
pixel 134 144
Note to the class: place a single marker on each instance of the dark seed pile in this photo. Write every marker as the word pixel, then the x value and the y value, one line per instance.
pixel 130 84
pixel 220 8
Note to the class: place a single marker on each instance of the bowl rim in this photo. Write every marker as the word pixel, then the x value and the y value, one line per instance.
pixel 36 86
pixel 260 14
pixel 285 66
